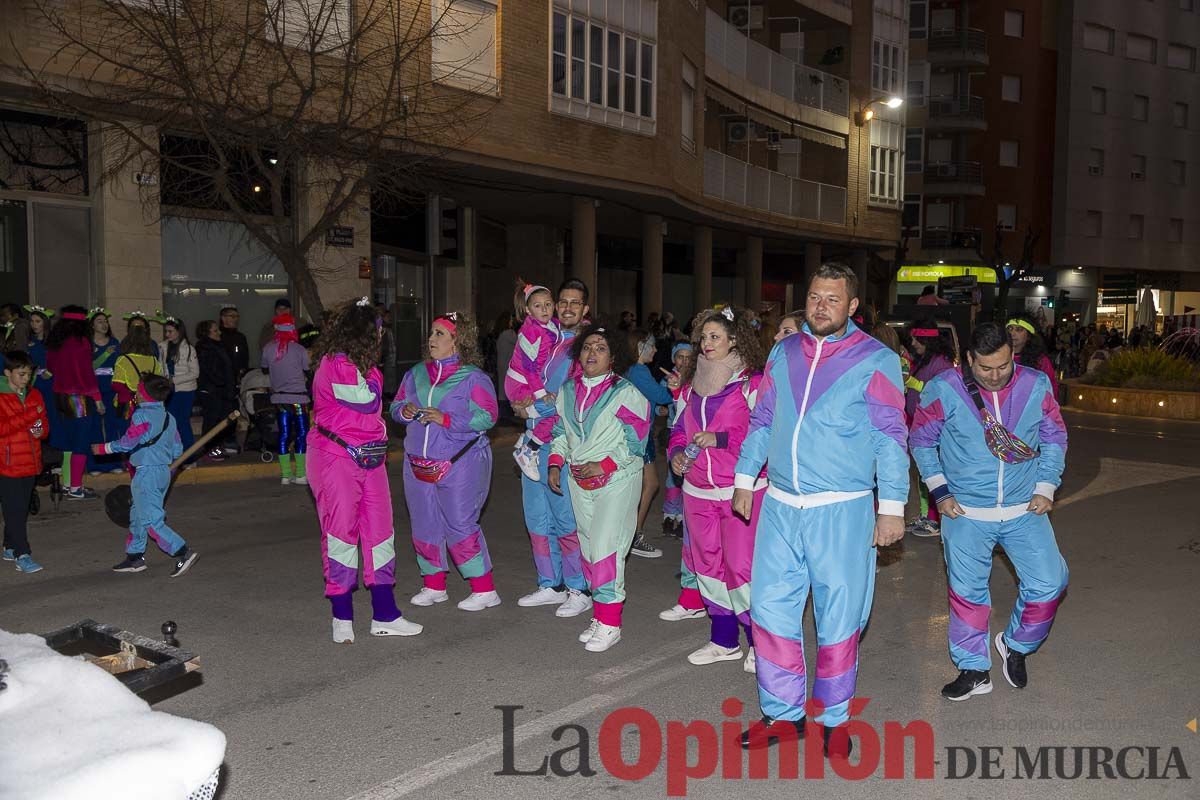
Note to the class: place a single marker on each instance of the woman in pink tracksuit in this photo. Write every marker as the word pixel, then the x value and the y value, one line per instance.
pixel 713 413
pixel 347 448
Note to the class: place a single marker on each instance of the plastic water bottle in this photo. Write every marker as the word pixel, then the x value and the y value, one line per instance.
pixel 690 454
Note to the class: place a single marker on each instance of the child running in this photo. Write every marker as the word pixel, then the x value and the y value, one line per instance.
pixel 152 442
pixel 536 340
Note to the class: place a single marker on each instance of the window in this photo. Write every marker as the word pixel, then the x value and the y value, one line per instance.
pixel 1093 225
pixel 1137 168
pixel 604 62
pixel 1006 217
pixel 463 41
pixel 918 19
pixel 910 219
pixel 1137 226
pixel 1179 173
pixel 885 176
pixel 914 146
pixel 1095 161
pixel 1014 24
pixel 1141 48
pixel 1099 100
pixel 1180 56
pixel 1141 107
pixel 1098 37
pixel 1175 230
pixel 687 110
pixel 1010 88
pixel 1010 153
pixel 1180 115
pixel 886 70
pixel 322 25
pixel 918 75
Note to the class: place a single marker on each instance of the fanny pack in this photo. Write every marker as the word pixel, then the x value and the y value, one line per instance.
pixel 367 456
pixel 432 470
pixel 589 484
pixel 1002 443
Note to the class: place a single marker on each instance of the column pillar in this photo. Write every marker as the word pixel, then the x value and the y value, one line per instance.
pixel 652 265
pixel 583 242
pixel 754 260
pixel 812 262
pixel 858 263
pixel 702 268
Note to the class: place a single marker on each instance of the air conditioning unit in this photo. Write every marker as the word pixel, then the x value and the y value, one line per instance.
pixel 749 18
pixel 773 140
pixel 738 131
pixel 1137 176
pixel 947 170
pixel 1095 170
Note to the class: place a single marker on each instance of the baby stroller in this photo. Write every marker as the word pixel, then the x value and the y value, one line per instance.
pixel 256 406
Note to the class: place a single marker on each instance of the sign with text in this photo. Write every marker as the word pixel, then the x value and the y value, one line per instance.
pixel 340 236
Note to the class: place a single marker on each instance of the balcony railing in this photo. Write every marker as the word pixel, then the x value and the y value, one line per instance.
pixel 766 69
pixel 734 181
pixel 967 109
pixel 968 43
pixel 964 172
pixel 947 239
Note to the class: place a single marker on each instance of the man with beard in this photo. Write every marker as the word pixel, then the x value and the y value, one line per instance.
pixel 548 516
pixel 829 425
pixel 991 445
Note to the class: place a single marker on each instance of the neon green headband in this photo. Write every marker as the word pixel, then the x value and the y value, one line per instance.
pixel 1020 323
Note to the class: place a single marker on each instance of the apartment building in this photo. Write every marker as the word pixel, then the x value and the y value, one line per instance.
pixel 671 154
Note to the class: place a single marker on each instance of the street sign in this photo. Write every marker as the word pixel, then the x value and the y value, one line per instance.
pixel 340 236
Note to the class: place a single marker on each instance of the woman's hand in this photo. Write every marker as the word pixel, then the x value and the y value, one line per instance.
pixel 591 469
pixel 679 464
pixel 672 379
pixel 705 439
pixel 409 411
pixel 431 416
pixel 554 478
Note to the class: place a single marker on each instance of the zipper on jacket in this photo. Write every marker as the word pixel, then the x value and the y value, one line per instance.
pixel 812 371
pixel 429 402
pixel 1000 478
pixel 704 427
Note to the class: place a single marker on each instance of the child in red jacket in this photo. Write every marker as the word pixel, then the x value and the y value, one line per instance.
pixel 23 424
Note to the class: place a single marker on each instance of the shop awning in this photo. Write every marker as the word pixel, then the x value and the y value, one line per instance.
pixel 929 273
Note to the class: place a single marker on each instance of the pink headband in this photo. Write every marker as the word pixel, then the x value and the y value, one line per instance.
pixel 73 315
pixel 532 289
pixel 142 393
pixel 446 323
pixel 928 332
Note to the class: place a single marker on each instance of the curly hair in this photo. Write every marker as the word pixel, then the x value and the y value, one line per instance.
pixel 466 338
pixel 741 331
pixel 64 329
pixel 618 346
pixel 353 332
pixel 1035 346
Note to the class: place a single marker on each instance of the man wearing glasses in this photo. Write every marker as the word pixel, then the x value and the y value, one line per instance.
pixel 548 516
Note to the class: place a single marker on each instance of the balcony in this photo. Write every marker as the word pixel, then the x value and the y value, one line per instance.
pixel 958 47
pixel 743 58
pixel 954 179
pixel 956 114
pixel 735 181
pixel 950 239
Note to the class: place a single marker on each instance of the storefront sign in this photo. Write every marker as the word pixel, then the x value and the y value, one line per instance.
pixel 931 273
pixel 1036 279
pixel 340 236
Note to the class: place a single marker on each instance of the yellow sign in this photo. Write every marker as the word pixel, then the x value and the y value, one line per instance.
pixel 929 273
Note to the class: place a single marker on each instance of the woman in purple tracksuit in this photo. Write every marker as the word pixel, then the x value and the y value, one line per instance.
pixel 449 403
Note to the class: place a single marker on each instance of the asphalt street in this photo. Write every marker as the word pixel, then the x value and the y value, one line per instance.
pixel 416 717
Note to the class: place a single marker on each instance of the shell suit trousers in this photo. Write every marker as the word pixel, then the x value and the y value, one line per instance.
pixel 147 518
pixel 552 535
pixel 828 550
pixel 721 545
pixel 445 519
pixel 689 584
pixel 354 506
pixel 1029 542
pixel 606 518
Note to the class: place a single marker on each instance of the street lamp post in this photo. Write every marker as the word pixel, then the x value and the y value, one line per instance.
pixel 866 113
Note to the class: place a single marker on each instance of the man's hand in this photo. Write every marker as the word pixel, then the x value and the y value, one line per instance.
pixel 743 503
pixel 1040 505
pixel 888 529
pixel 554 478
pixel 705 439
pixel 679 464
pixel 949 508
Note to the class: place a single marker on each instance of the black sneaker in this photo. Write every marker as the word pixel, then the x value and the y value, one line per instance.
pixel 131 564
pixel 837 742
pixel 767 732
pixel 1013 664
pixel 969 682
pixel 183 562
pixel 643 548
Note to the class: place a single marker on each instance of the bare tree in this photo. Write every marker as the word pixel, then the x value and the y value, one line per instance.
pixel 1000 263
pixel 243 107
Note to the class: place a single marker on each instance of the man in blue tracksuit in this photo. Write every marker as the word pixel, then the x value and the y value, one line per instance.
pixel 997 494
pixel 152 442
pixel 829 425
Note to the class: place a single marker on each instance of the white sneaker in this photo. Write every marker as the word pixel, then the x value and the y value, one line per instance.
pixel 604 637
pixel 749 665
pixel 677 613
pixel 711 653
pixel 400 626
pixel 285 481
pixel 545 596
pixel 343 631
pixel 527 460
pixel 427 597
pixel 478 601
pixel 591 628
pixel 301 481
pixel 577 603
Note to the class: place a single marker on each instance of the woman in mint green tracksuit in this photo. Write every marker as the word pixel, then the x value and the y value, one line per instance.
pixel 600 439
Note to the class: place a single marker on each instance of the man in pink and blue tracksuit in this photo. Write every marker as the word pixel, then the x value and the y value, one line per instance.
pixel 994 493
pixel 829 425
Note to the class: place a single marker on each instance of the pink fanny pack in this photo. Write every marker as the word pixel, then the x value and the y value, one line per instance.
pixel 433 470
pixel 589 484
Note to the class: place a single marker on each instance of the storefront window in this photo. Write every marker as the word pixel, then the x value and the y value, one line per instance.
pixel 39 153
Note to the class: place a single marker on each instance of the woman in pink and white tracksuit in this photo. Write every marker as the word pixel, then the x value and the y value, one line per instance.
pixel 347 448
pixel 714 415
